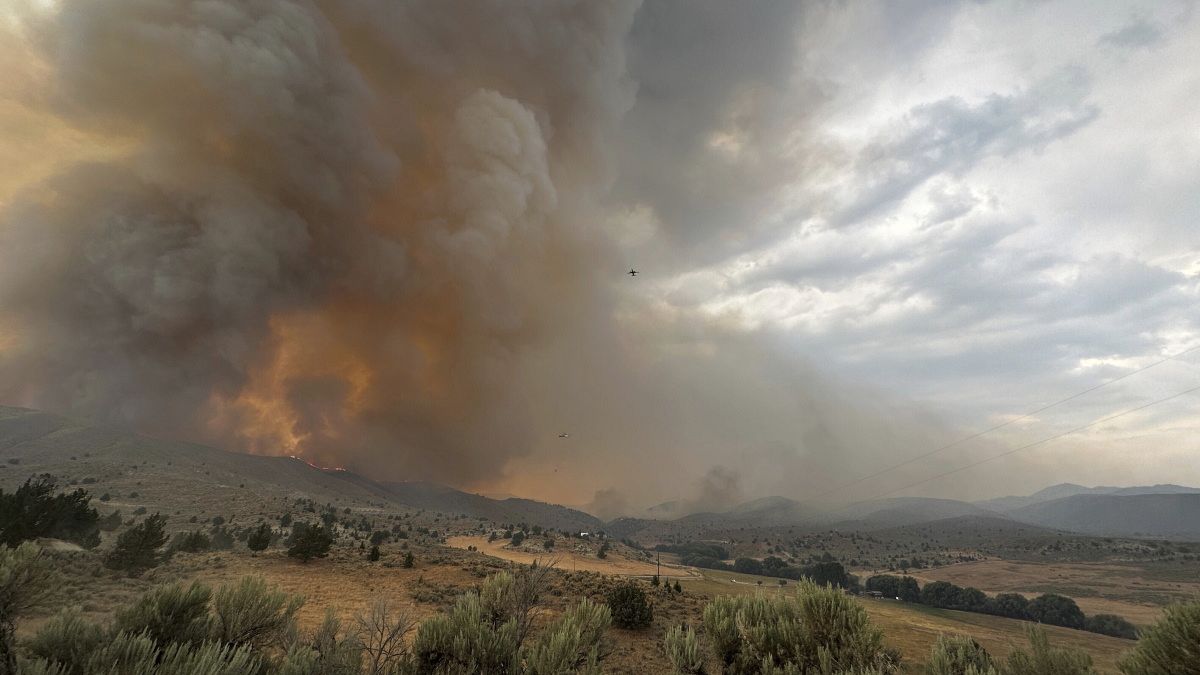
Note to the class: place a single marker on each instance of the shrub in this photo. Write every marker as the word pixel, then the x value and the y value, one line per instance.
pixel 260 538
pixel 1046 660
pixel 485 631
pixel 254 615
pixel 222 540
pixel 378 537
pixel 329 653
pixel 959 655
pixel 135 654
pixel 1056 610
pixel 26 578
pixel 382 631
pixel 34 511
pixel 571 644
pixel 137 548
pixel 1110 624
pixel 309 541
pixel 798 633
pixel 517 538
pixel 373 556
pixel 409 561
pixel 169 614
pixel 1170 646
pixel 629 606
pixel 68 640
pixel 191 542
pixel 683 651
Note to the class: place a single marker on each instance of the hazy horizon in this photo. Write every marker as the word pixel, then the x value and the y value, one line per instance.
pixel 396 238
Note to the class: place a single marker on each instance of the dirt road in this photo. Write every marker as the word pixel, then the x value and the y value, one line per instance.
pixel 568 560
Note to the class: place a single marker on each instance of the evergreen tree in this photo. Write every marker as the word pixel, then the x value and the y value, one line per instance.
pixel 629 607
pixel 260 538
pixel 309 541
pixel 34 511
pixel 137 548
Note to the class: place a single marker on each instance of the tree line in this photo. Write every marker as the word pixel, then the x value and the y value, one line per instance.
pixel 1048 608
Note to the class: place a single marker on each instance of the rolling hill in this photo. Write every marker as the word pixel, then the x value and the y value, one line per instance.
pixel 907 511
pixel 139 471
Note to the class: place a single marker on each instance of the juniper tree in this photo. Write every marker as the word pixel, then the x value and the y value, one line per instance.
pixel 260 538
pixel 137 548
pixel 309 541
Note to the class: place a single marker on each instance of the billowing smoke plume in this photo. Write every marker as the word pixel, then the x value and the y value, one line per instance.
pixel 378 235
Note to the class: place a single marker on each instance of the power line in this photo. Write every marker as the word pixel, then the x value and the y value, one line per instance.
pixel 1030 445
pixel 989 430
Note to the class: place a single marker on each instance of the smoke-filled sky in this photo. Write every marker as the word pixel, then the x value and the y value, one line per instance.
pixel 393 236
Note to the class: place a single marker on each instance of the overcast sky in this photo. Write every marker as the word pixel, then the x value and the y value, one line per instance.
pixel 979 206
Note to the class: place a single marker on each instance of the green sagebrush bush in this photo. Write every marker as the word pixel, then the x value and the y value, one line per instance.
pixel 816 630
pixel 134 654
pixel 1043 659
pixel 684 651
pixel 1170 647
pixel 169 614
pixel 182 629
pixel 959 655
pixel 250 613
pixel 67 640
pixel 26 578
pixel 486 631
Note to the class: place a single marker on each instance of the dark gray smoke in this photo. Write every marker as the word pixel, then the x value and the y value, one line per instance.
pixel 379 235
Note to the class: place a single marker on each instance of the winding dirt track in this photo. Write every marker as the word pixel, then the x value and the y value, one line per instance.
pixel 615 563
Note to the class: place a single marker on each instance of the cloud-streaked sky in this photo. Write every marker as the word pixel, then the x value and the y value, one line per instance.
pixel 979 206
pixel 394 237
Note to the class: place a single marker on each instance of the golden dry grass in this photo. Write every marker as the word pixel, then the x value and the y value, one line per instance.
pixel 914 628
pixel 1098 588
pixel 347 583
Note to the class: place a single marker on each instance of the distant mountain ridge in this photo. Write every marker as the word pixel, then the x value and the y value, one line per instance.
pixel 1063 490
pixel 1171 515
